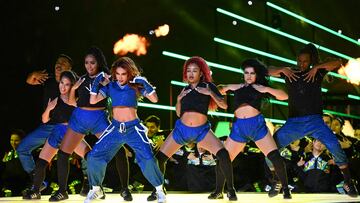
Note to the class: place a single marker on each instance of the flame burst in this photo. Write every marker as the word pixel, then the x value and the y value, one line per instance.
pixel 131 43
pixel 352 71
pixel 162 30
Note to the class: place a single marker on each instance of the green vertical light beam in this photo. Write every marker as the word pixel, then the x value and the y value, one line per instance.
pixel 265 27
pixel 311 22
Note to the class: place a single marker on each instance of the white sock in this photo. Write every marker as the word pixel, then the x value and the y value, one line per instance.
pixel 159 188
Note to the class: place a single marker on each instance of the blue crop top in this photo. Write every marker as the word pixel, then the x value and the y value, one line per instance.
pixel 197 102
pixel 120 95
pixel 248 95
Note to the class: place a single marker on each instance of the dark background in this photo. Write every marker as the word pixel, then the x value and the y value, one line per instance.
pixel 33 34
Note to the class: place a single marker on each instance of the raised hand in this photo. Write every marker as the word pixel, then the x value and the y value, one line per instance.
pixel 37 77
pixel 78 83
pixel 310 76
pixel 289 73
pixel 204 90
pixel 183 93
pixel 52 103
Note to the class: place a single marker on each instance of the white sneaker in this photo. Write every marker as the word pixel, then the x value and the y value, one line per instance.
pixel 161 197
pixel 95 193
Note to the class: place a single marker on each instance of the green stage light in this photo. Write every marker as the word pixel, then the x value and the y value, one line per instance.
pixel 212 64
pixel 265 27
pixel 353 97
pixel 274 101
pixel 311 22
pixel 341 114
pixel 256 51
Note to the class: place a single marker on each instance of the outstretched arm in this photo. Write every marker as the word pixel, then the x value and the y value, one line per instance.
pixel 277 93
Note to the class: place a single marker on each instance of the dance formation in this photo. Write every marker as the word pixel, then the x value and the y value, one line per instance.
pixel 104 103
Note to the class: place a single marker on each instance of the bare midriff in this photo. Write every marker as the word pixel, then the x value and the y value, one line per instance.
pixel 246 111
pixel 124 113
pixel 193 119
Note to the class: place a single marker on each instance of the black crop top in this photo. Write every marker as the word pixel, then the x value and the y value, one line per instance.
pixel 197 102
pixel 248 95
pixel 84 94
pixel 61 113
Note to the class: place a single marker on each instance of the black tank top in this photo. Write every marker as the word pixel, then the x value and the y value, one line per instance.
pixel 84 94
pixel 197 102
pixel 61 113
pixel 248 95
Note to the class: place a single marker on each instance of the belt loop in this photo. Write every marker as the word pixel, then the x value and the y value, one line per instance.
pixel 122 128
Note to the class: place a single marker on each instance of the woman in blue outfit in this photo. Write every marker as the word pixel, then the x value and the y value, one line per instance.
pixel 125 128
pixel 193 126
pixel 57 113
pixel 86 119
pixel 249 123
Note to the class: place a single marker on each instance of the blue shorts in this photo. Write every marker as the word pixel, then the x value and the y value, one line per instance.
pixel 88 121
pixel 312 125
pixel 246 129
pixel 183 134
pixel 57 135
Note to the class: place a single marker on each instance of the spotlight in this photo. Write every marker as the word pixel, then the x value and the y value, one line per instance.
pixel 339 31
pixel 250 3
pixel 234 22
pixel 57 8
pixel 359 40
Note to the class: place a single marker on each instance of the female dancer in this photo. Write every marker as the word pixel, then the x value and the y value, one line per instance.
pixel 87 118
pixel 249 123
pixel 125 128
pixel 57 112
pixel 193 127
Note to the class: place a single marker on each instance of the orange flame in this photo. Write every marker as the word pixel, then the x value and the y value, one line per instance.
pixel 162 30
pixel 352 71
pixel 131 43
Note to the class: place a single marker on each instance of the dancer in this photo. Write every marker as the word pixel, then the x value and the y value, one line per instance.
pixel 305 109
pixel 250 124
pixel 193 127
pixel 87 118
pixel 57 112
pixel 125 127
pixel 37 138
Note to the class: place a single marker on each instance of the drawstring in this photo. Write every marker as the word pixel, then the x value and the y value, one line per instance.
pixel 122 128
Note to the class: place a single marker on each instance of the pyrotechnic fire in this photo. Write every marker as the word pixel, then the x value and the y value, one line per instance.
pixel 131 43
pixel 352 70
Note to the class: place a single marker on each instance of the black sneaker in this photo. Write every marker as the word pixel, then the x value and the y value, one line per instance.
pixel 152 196
pixel 31 194
pixel 58 196
pixel 216 195
pixel 275 189
pixel 287 193
pixel 85 188
pixel 231 194
pixel 125 193
pixel 350 189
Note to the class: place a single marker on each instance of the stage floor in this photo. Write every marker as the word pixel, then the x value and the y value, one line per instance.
pixel 202 198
